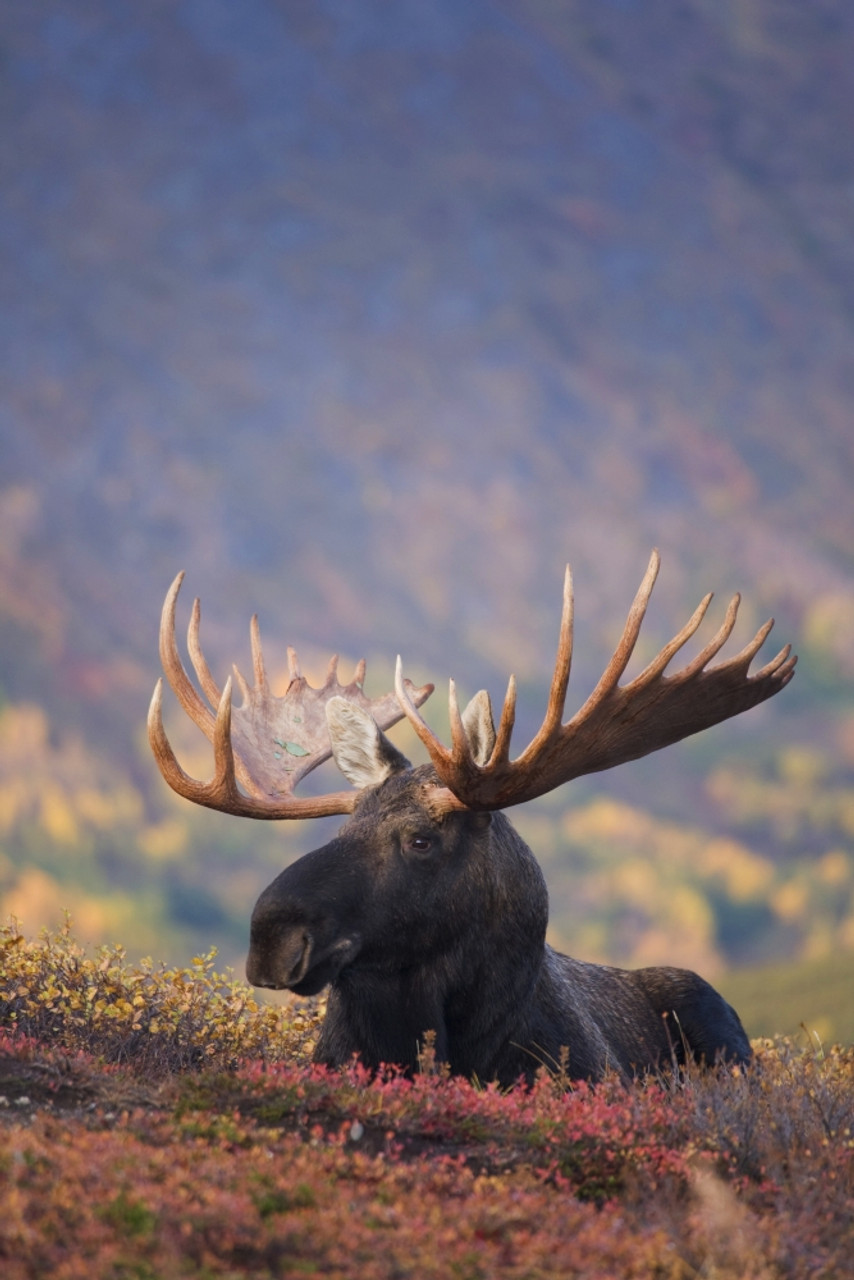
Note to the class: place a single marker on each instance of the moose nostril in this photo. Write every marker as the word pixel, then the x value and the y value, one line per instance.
pixel 293 957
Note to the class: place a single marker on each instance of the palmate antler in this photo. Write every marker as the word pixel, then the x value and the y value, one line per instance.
pixel 617 723
pixel 268 744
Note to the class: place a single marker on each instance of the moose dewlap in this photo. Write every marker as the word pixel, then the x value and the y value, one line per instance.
pixel 428 912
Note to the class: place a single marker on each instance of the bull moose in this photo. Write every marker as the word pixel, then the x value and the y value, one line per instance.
pixel 428 912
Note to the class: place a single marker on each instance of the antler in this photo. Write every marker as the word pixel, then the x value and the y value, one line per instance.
pixel 268 744
pixel 617 722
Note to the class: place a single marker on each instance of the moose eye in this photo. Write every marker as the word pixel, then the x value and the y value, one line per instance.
pixel 418 844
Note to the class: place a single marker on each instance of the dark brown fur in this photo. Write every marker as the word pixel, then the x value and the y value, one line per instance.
pixel 421 922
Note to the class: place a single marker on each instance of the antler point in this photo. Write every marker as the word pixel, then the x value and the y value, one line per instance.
pixel 156 703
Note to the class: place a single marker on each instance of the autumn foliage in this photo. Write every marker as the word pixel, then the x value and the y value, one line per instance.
pixel 161 1123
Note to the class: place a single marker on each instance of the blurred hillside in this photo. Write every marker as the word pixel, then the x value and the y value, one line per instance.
pixel 370 317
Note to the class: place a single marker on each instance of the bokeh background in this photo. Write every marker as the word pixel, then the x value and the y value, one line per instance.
pixel 371 316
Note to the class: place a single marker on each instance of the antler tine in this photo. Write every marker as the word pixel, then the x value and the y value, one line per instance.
pixel 179 681
pixel 563 662
pixel 258 669
pixel 222 787
pixel 259 675
pixel 782 665
pixel 224 781
pixel 631 631
pixel 661 660
pixel 461 749
pixel 164 755
pixel 212 690
pixel 609 679
pixel 439 754
pixel 717 641
pixel 501 750
pixel 242 683
pixel 742 660
pixel 557 691
pixel 216 696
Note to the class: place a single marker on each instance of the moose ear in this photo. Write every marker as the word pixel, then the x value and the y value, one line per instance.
pixel 362 751
pixel 479 727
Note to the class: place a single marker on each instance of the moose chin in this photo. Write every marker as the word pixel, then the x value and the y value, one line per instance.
pixel 428 912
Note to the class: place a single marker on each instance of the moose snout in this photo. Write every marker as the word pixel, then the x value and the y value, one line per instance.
pixel 279 961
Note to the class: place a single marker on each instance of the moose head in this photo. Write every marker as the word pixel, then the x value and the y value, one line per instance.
pixel 428 912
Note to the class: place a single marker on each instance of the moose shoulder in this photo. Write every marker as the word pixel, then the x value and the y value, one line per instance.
pixel 428 912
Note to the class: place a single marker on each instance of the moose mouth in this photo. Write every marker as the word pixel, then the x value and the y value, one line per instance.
pixel 303 968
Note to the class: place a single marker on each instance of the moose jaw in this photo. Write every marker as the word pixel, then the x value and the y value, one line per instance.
pixel 428 912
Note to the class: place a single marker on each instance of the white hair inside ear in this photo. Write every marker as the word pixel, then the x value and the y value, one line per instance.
pixel 362 751
pixel 480 727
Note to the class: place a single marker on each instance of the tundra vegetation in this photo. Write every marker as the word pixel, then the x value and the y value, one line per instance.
pixel 160 1122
